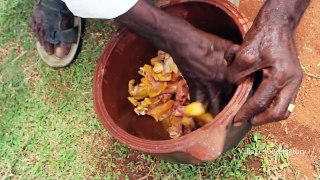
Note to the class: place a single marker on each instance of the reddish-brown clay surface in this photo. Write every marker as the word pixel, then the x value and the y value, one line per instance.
pixel 302 130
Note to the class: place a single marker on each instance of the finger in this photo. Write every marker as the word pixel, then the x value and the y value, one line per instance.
pixel 223 45
pixel 279 107
pixel 244 64
pixel 41 34
pixel 216 69
pixel 220 44
pixel 214 91
pixel 206 92
pixel 231 53
pixel 49 47
pixel 220 73
pixel 62 49
pixel 197 90
pixel 33 24
pixel 258 103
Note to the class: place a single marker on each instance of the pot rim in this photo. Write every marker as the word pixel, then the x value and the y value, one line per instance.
pixel 177 144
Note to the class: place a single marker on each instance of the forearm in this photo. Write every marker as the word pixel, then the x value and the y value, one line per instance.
pixel 163 30
pixel 281 13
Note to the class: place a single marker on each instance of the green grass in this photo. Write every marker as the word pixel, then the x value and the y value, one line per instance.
pixel 48 128
pixel 46 114
pixel 271 161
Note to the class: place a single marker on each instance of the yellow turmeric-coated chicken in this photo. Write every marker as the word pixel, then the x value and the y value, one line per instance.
pixel 163 93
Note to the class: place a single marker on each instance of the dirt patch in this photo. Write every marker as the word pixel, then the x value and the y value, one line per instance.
pixel 307 38
pixel 120 160
pixel 254 165
pixel 296 137
pixel 250 8
pixel 301 133
pixel 308 104
pixel 138 171
pixel 304 167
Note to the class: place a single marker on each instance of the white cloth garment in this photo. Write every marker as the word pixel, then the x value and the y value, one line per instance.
pixel 104 9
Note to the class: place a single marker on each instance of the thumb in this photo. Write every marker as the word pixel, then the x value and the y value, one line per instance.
pixel 230 54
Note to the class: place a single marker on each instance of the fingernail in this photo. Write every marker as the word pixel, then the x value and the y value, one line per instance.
pixel 237 124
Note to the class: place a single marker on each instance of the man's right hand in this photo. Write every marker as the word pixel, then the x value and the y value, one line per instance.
pixel 198 55
pixel 204 68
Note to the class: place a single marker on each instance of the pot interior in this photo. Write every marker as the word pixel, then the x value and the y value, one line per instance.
pixel 133 51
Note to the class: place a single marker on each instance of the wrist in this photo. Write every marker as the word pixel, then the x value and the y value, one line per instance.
pixel 271 27
pixel 275 20
pixel 178 41
pixel 281 14
pixel 165 31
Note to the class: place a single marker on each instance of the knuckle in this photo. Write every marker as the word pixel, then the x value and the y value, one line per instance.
pixel 299 76
pixel 285 115
pixel 278 115
pixel 280 79
pixel 260 104
pixel 210 74
pixel 230 54
pixel 285 72
pixel 245 59
pixel 229 77
pixel 232 50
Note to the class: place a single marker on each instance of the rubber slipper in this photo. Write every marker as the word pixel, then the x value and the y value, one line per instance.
pixel 54 61
pixel 51 28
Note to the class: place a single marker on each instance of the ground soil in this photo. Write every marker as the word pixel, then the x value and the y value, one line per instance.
pixel 301 133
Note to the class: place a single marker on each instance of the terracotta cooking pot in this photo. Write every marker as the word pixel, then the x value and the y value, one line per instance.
pixel 121 59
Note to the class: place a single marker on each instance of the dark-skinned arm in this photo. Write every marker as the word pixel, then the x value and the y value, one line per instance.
pixel 269 47
pixel 199 55
pixel 176 36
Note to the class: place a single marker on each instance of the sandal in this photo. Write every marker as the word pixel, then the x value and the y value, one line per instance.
pixel 58 32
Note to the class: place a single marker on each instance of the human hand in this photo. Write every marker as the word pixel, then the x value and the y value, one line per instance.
pixel 204 59
pixel 46 23
pixel 270 49
pixel 198 55
pixel 202 65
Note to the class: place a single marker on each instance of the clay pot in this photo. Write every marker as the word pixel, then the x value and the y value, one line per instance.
pixel 121 59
